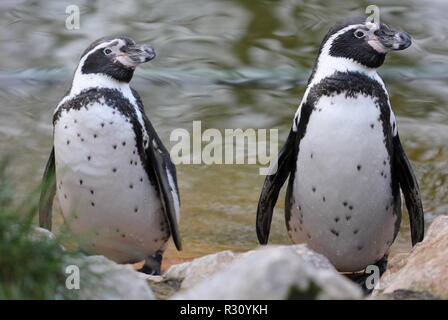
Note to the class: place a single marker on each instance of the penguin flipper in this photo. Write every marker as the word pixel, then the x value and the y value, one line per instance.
pixel 165 174
pixel 159 165
pixel 272 185
pixel 48 190
pixel 411 191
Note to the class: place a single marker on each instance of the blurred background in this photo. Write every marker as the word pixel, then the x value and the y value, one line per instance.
pixel 231 64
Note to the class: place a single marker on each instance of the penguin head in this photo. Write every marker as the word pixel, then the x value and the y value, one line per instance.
pixel 363 41
pixel 116 57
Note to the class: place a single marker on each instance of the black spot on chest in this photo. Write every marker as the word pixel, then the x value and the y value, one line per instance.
pixel 352 85
pixel 114 99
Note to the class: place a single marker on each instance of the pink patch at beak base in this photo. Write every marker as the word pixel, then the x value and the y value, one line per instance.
pixel 126 61
pixel 377 46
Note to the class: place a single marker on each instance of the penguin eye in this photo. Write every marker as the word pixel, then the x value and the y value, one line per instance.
pixel 107 51
pixel 359 34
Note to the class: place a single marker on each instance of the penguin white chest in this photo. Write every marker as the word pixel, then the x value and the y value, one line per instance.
pixel 342 203
pixel 105 194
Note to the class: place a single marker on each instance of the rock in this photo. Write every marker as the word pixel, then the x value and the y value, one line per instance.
pixel 152 278
pixel 101 278
pixel 424 269
pixel 272 272
pixel 405 295
pixel 38 234
pixel 201 268
pixel 186 275
pixel 165 288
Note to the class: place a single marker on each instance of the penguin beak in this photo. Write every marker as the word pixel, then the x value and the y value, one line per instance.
pixel 140 53
pixel 133 55
pixel 392 39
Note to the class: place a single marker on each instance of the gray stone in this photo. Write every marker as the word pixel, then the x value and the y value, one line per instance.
pixel 423 269
pixel 405 295
pixel 274 272
pixel 38 234
pixel 101 278
pixel 201 268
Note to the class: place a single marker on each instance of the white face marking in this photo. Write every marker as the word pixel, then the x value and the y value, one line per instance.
pixel 124 60
pixel 378 46
pixel 85 81
pixel 120 56
pixel 327 64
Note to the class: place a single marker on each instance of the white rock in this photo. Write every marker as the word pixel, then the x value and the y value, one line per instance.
pixel 186 275
pixel 101 278
pixel 38 233
pixel 152 278
pixel 199 269
pixel 274 273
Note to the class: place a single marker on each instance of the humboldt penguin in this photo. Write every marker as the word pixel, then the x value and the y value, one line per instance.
pixel 114 179
pixel 343 155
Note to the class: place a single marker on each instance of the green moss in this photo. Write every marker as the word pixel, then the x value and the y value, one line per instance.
pixel 31 267
pixel 311 293
pixel 166 288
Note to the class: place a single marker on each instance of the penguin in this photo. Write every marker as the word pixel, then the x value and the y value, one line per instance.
pixel 343 155
pixel 113 177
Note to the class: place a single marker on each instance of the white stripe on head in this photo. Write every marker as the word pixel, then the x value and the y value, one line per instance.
pixel 327 65
pixel 82 81
pixel 85 81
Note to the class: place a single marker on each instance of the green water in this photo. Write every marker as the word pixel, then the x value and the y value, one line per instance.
pixel 230 64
